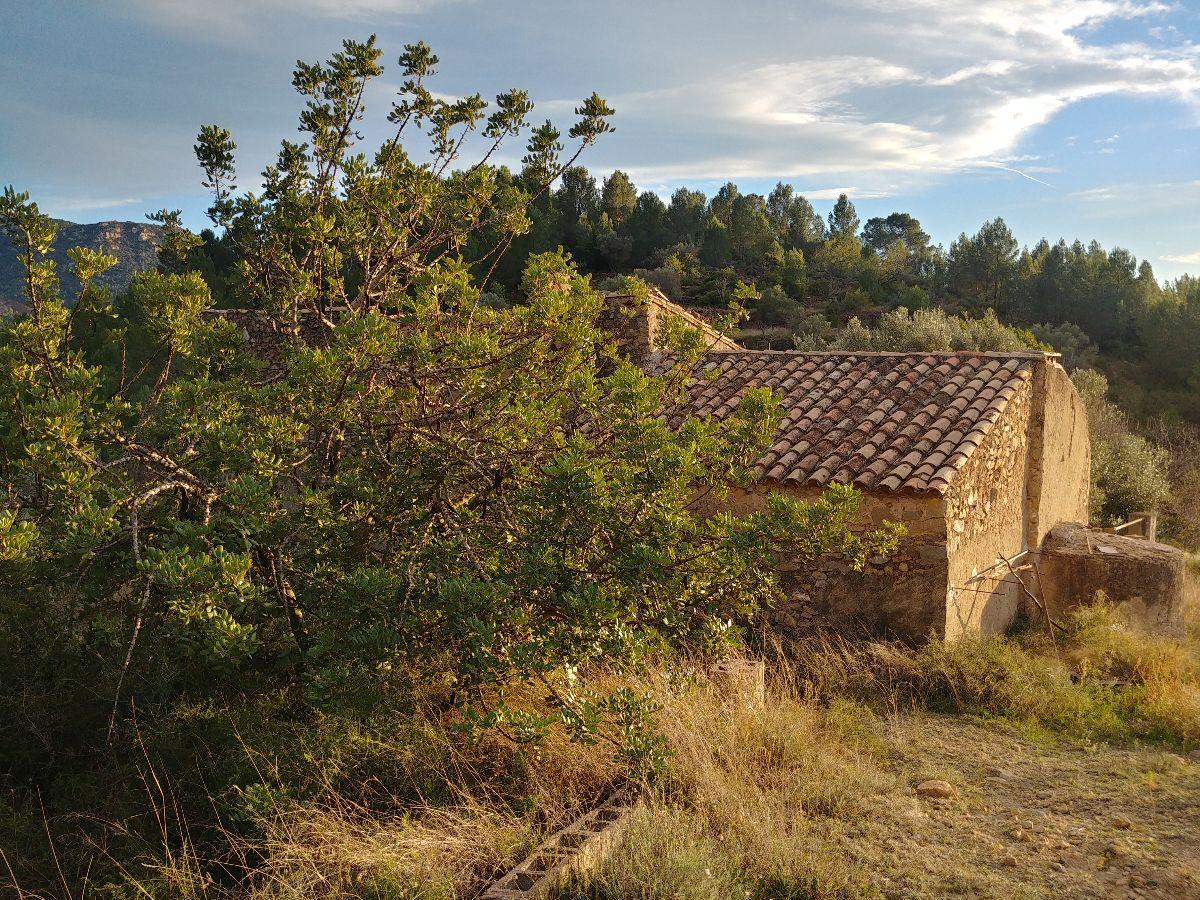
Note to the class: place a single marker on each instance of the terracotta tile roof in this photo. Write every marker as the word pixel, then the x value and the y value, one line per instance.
pixel 881 421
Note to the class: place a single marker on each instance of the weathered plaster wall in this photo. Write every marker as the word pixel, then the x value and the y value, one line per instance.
pixel 902 596
pixel 1060 457
pixel 985 513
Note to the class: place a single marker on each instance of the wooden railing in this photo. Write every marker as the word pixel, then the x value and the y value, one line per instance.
pixel 1142 525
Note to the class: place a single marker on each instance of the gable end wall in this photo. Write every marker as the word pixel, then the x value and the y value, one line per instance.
pixel 1059 454
pixel 985 518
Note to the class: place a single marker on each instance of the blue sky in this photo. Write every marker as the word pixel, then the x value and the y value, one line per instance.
pixel 1075 118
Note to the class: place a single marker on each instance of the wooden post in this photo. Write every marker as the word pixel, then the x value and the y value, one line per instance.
pixel 1148 527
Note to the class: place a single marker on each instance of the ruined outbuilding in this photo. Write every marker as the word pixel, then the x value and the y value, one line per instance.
pixel 1144 579
pixel 981 456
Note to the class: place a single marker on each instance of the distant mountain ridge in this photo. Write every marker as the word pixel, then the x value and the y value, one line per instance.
pixel 134 244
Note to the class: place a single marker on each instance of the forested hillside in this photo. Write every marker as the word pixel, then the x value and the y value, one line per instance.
pixel 815 273
pixel 817 282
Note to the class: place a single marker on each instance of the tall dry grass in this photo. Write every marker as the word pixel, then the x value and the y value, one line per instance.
pixel 747 796
pixel 438 814
pixel 761 802
pixel 1104 678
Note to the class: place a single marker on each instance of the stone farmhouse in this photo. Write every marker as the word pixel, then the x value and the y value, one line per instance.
pixel 981 456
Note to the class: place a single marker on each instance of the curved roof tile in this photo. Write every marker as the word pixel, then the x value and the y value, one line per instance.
pixel 883 421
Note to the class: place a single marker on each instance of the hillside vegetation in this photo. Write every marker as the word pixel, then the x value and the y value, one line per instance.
pixel 369 617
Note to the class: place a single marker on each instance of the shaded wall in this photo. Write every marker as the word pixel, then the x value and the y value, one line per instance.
pixel 985 519
pixel 902 596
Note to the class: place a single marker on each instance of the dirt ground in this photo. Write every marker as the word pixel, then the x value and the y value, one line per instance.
pixel 1029 817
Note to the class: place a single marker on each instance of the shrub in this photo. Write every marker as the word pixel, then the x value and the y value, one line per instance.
pixel 1077 349
pixel 1129 472
pixel 932 331
pixel 415 490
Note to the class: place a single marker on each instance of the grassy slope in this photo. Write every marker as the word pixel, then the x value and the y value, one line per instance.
pixel 1060 788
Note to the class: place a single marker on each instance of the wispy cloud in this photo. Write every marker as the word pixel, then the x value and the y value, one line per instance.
pixel 1129 199
pixel 243 19
pixel 913 103
pixel 91 204
pixel 1022 173
pixel 1186 258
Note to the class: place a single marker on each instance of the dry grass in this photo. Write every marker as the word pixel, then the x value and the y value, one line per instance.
pixel 490 802
pixel 1104 680
pixel 334 849
pixel 747 797
pixel 808 795
pixel 345 852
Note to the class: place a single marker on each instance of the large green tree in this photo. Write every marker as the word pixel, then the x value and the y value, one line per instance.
pixel 396 481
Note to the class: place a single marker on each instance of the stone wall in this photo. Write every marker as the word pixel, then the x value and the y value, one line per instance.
pixel 902 596
pixel 985 518
pixel 638 325
pixel 266 336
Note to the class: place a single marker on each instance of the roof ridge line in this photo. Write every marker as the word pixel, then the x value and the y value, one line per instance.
pixel 996 354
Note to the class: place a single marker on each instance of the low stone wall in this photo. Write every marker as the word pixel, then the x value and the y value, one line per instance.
pixel 1147 580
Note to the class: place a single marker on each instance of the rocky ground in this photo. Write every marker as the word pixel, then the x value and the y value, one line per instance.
pixel 1028 817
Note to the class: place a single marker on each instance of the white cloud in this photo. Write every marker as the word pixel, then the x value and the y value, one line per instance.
pixel 1187 258
pixel 902 97
pixel 886 95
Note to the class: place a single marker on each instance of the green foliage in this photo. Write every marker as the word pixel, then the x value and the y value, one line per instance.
pixel 1129 473
pixel 843 219
pixel 413 485
pixel 1170 327
pixel 1076 348
pixel 932 330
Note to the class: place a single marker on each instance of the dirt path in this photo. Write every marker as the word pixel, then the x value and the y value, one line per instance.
pixel 1030 818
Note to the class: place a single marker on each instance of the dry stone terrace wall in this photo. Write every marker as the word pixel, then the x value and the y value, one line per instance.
pixel 985 518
